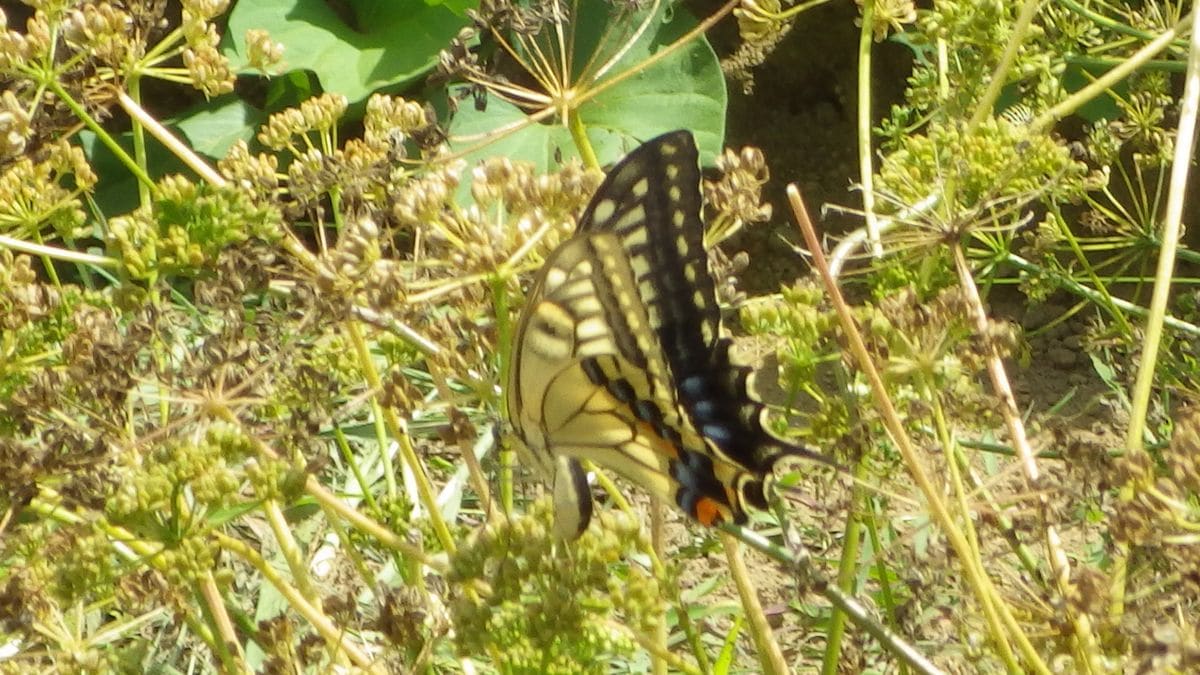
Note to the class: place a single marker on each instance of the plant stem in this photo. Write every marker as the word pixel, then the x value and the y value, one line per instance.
pixel 984 108
pixel 56 253
pixel 1086 643
pixel 399 431
pixel 1107 80
pixel 227 645
pixel 1096 296
pixel 102 135
pixel 1184 141
pixel 800 563
pixel 336 637
pixel 169 140
pixel 769 654
pixel 866 172
pixel 582 144
pixel 139 137
pixel 847 567
pixel 980 583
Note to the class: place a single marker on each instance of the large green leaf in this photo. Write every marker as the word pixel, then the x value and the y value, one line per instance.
pixel 686 90
pixel 393 43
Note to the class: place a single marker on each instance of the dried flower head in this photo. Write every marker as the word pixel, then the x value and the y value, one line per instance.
pixel 261 52
pixel 891 16
pixel 102 32
pixel 290 128
pixel 40 196
pixel 14 126
pixel 736 198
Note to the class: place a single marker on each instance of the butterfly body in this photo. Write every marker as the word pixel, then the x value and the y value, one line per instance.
pixel 617 356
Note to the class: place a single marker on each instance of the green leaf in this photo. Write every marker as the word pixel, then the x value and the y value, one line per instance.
pixel 221 517
pixel 290 90
pixel 212 128
pixel 685 90
pixel 391 43
pixel 1103 106
pixel 1104 370
pixel 728 649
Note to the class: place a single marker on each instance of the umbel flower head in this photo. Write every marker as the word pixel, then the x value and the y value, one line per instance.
pixel 543 608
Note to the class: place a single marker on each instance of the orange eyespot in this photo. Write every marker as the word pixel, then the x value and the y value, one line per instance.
pixel 708 512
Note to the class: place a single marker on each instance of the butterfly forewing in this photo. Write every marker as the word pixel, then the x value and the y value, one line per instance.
pixel 651 203
pixel 617 357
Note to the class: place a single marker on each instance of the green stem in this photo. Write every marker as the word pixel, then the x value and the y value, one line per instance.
pixel 1069 236
pixel 791 12
pixel 1107 80
pixel 800 563
pixel 847 567
pixel 997 621
pixel 770 657
pixel 983 109
pixel 1110 24
pixel 336 637
pixel 866 171
pixel 352 461
pixel 108 141
pixel 139 138
pixel 163 135
pixel 1172 228
pixel 1094 295
pixel 1096 62
pixel 882 575
pixel 582 144
pixel 504 338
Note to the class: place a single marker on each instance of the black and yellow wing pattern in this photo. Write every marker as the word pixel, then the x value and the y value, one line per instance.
pixel 617 357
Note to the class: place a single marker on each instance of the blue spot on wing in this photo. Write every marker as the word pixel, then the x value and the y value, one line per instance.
pixel 718 433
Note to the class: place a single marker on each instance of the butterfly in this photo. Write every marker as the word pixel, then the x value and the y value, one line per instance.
pixel 618 358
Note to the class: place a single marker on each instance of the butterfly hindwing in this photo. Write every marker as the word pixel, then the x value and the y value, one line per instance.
pixel 583 371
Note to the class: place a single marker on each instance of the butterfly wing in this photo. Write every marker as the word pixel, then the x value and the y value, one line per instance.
pixel 617 357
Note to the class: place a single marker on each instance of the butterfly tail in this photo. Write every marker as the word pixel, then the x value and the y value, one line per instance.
pixel 762 450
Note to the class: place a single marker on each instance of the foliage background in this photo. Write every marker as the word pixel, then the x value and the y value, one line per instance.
pixel 260 261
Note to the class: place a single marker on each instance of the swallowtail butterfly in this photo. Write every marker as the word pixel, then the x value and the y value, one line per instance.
pixel 617 357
